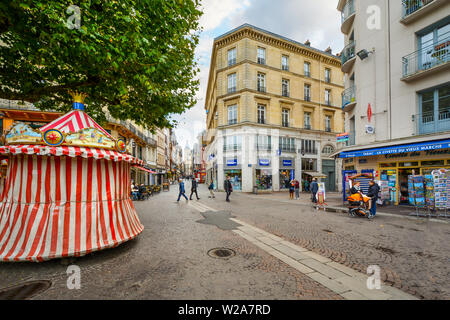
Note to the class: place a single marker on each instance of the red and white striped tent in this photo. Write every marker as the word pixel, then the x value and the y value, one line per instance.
pixel 67 200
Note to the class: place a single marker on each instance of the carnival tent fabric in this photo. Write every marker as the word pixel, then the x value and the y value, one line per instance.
pixel 62 201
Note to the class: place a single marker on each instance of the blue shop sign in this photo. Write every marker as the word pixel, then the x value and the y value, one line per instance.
pixel 264 162
pixel 287 163
pixel 232 163
pixel 416 147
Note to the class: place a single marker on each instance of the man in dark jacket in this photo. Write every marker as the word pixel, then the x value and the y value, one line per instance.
pixel 314 190
pixel 373 193
pixel 228 188
pixel 194 189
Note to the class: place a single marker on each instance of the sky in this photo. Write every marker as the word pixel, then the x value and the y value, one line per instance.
pixel 316 20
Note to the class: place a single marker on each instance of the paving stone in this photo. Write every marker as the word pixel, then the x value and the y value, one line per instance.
pixel 323 269
pixel 333 285
pixel 290 252
pixel 267 240
pixel 361 287
pixel 348 271
pixel 293 246
pixel 352 295
pixel 316 256
pixel 293 263
pixel 264 246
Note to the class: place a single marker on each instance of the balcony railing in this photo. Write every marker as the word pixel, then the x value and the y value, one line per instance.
pixel 348 96
pixel 285 68
pixel 231 62
pixel 309 151
pixel 261 88
pixel 427 57
pixel 232 147
pixel 264 147
pixel 261 61
pixel 411 6
pixel 307 98
pixel 348 10
pixel 232 90
pixel 308 74
pixel 232 121
pixel 285 124
pixel 285 93
pixel 348 52
pixel 432 122
pixel 287 148
pixel 307 127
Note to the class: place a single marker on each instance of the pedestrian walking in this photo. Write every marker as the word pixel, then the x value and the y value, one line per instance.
pixel 373 194
pixel 211 190
pixel 314 190
pixel 194 189
pixel 291 190
pixel 297 189
pixel 228 188
pixel 182 191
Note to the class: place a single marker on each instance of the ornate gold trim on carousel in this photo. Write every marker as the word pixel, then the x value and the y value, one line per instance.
pixel 53 137
pixel 22 133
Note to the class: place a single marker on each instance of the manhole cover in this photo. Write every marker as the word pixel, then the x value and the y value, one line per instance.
pixel 24 290
pixel 222 253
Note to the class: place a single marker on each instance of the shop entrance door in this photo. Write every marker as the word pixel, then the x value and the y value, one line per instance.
pixel 329 169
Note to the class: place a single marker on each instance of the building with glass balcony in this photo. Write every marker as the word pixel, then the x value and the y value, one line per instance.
pixel 397 90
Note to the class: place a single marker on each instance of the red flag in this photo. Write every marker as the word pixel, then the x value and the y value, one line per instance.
pixel 369 112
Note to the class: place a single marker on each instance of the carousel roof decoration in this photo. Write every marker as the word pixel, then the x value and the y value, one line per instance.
pixel 75 129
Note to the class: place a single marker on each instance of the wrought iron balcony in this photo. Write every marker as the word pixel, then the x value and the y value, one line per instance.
pixel 285 93
pixel 232 90
pixel 231 62
pixel 433 122
pixel 347 13
pixel 232 147
pixel 264 147
pixel 427 58
pixel 310 151
pixel 261 88
pixel 287 148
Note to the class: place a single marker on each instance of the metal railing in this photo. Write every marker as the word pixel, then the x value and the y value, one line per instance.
pixel 231 62
pixel 232 147
pixel 348 10
pixel 309 151
pixel 433 121
pixel 285 124
pixel 232 90
pixel 348 96
pixel 411 6
pixel 261 88
pixel 261 61
pixel 287 148
pixel 427 57
pixel 308 74
pixel 232 121
pixel 264 147
pixel 307 127
pixel 285 93
pixel 285 67
pixel 307 98
pixel 348 52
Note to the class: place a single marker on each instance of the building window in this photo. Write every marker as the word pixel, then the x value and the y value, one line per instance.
pixel 327 75
pixel 307 69
pixel 309 147
pixel 232 143
pixel 232 83
pixel 261 82
pixel 307 92
pixel 261 55
pixel 285 118
pixel 307 120
pixel 231 57
pixel 434 110
pixel 285 88
pixel 328 150
pixel 232 114
pixel 261 114
pixel 328 97
pixel 287 144
pixel 328 123
pixel 264 143
pixel 309 165
pixel 285 63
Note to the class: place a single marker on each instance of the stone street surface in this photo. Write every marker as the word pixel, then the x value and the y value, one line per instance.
pixel 283 250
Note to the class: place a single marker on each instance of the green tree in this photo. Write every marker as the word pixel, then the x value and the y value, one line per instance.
pixel 133 57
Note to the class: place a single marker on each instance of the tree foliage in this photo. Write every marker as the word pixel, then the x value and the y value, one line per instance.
pixel 133 57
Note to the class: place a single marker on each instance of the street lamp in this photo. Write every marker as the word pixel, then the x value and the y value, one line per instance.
pixel 363 54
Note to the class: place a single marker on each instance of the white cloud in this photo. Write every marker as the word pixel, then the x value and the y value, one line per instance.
pixel 216 11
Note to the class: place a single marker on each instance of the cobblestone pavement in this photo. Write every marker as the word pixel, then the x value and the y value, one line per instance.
pixel 413 254
pixel 169 261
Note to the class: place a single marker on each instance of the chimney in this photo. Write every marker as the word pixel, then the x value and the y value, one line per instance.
pixel 329 50
pixel 308 43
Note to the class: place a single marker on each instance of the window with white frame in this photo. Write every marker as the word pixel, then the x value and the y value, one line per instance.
pixel 307 90
pixel 261 82
pixel 285 117
pixel 232 143
pixel 307 120
pixel 287 144
pixel 309 147
pixel 261 55
pixel 261 114
pixel 327 75
pixel 232 83
pixel 285 88
pixel 231 57
pixel 264 143
pixel 328 123
pixel 328 97
pixel 307 69
pixel 285 62
pixel 232 114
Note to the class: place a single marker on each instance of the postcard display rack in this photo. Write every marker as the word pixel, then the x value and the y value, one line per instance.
pixel 430 193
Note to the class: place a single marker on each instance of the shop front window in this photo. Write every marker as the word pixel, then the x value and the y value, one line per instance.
pixel 433 163
pixel 285 178
pixel 264 179
pixel 235 178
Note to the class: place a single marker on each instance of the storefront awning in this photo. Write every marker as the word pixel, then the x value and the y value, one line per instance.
pixel 144 169
pixel 416 147
pixel 315 174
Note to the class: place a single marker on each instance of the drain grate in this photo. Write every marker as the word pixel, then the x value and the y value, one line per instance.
pixel 25 290
pixel 222 253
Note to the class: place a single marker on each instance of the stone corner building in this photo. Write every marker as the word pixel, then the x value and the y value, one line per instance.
pixel 273 111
